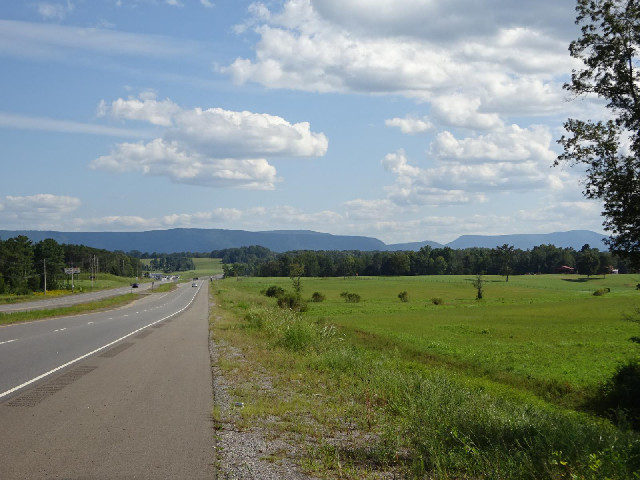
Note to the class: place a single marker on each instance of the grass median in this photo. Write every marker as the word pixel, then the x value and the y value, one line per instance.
pixel 31 315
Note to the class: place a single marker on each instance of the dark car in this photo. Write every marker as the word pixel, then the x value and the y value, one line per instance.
pixel 134 285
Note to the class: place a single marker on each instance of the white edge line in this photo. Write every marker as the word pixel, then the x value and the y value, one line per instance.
pixel 8 341
pixel 40 377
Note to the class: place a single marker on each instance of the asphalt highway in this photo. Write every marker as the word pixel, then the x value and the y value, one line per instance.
pixel 29 350
pixel 119 394
pixel 66 300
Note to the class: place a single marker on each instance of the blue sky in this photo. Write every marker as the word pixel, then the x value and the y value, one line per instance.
pixel 405 120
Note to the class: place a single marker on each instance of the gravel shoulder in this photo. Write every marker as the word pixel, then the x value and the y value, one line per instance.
pixel 256 452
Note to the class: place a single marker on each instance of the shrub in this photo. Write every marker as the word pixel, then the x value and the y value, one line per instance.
pixel 619 396
pixel 350 297
pixel 317 297
pixel 274 291
pixel 437 301
pixel 297 336
pixel 601 291
pixel 403 296
pixel 292 301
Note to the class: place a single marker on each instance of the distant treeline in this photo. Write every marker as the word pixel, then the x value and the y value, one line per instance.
pixel 171 263
pixel 23 264
pixel 147 255
pixel 505 260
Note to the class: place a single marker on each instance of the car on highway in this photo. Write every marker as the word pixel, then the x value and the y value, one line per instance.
pixel 134 285
pixel 194 284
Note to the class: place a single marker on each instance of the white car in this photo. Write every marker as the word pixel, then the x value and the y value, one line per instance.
pixel 194 284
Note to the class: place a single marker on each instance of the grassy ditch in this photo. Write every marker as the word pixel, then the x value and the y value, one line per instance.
pixel 363 411
pixel 165 287
pixel 107 303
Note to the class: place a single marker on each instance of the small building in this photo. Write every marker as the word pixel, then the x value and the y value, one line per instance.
pixel 565 269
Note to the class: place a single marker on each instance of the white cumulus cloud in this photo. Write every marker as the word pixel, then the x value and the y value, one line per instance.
pixel 160 158
pixel 44 210
pixel 410 125
pixel 418 49
pixel 210 147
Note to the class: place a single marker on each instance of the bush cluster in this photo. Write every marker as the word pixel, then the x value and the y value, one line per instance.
pixel 403 296
pixel 285 299
pixel 274 291
pixel 601 291
pixel 350 297
pixel 317 297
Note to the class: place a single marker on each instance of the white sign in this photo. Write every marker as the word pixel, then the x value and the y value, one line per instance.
pixel 70 271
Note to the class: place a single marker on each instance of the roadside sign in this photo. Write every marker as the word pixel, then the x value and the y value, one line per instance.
pixel 70 271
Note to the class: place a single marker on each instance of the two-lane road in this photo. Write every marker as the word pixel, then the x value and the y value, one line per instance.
pixel 29 351
pixel 138 407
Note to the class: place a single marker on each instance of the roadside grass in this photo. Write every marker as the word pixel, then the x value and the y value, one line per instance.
pixel 361 386
pixel 165 287
pixel 82 283
pixel 31 315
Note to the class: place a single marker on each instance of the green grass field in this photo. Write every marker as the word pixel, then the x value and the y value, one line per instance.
pixel 501 378
pixel 545 328
pixel 205 267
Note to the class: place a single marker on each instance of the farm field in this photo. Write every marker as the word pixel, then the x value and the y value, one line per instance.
pixel 537 344
pixel 544 328
pixel 204 267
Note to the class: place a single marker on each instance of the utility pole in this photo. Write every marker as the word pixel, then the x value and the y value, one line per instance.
pixel 44 260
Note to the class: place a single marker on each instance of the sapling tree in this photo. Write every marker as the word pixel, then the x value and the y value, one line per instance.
pixel 296 271
pixel 478 283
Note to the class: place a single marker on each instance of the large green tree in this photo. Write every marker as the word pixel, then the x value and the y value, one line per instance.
pixel 504 257
pixel 17 264
pixel 49 258
pixel 588 261
pixel 609 149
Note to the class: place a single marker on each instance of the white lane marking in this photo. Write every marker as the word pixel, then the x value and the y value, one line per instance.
pixel 8 341
pixel 90 323
pixel 60 330
pixel 82 357
pixel 126 314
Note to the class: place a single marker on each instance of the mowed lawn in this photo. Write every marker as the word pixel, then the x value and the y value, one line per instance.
pixel 546 333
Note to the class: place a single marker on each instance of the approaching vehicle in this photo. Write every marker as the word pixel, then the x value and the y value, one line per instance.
pixel 194 284
pixel 134 285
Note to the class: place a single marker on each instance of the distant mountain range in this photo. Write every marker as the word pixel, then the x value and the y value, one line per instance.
pixel 206 240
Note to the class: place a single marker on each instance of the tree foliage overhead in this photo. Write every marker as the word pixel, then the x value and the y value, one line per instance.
pixel 610 149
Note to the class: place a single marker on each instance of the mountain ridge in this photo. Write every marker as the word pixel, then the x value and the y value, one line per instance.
pixel 206 240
